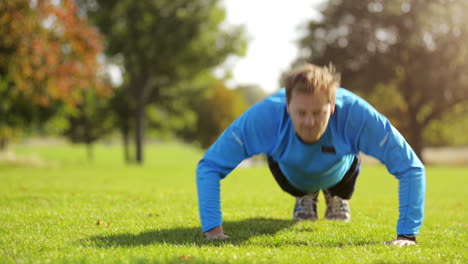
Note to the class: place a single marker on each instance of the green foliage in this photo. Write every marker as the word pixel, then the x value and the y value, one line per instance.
pixel 450 129
pixel 47 51
pixel 91 120
pixel 163 43
pixel 80 212
pixel 48 57
pixel 416 49
pixel 176 112
pixel 56 125
pixel 201 113
pixel 216 112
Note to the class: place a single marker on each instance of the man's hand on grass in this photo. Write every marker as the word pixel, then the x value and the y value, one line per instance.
pixel 216 233
pixel 401 242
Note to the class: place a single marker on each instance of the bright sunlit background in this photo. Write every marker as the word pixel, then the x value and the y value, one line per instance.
pixel 273 28
pixel 191 67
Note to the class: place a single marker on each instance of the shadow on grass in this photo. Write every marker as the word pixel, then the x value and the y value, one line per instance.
pixel 241 230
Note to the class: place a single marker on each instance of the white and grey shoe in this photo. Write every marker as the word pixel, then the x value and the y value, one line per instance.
pixel 305 207
pixel 337 208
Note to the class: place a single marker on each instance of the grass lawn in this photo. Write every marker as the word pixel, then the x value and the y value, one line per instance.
pixel 75 211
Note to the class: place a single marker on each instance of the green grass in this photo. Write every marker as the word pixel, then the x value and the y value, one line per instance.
pixel 75 211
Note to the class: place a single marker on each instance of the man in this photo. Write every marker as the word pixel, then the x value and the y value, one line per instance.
pixel 312 133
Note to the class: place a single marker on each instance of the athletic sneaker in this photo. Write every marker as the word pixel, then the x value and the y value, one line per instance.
pixel 306 207
pixel 337 208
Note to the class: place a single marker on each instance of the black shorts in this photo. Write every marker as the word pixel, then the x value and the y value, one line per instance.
pixel 343 189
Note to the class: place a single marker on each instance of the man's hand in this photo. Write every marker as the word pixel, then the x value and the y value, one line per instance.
pixel 216 233
pixel 401 242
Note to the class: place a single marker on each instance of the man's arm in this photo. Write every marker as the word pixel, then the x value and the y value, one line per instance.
pixel 374 135
pixel 250 134
pixel 403 240
pixel 216 233
pixel 220 159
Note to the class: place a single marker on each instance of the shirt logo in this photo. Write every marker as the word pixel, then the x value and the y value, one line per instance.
pixel 328 149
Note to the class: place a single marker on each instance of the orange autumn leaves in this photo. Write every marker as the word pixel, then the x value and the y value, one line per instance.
pixel 48 52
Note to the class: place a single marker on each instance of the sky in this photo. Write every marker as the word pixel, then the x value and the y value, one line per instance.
pixel 273 27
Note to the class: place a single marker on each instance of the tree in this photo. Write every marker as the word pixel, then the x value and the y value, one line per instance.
pixel 121 106
pixel 450 130
pixel 48 57
pixel 91 120
pixel 162 42
pixel 177 111
pixel 217 111
pixel 413 53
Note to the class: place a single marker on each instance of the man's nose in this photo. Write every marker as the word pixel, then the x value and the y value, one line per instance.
pixel 309 120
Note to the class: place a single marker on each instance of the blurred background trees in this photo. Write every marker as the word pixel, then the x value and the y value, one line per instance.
pixel 90 121
pixel 162 43
pixel 408 58
pixel 48 59
pixel 52 64
pixel 216 112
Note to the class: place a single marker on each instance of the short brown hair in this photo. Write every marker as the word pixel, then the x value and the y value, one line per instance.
pixel 309 78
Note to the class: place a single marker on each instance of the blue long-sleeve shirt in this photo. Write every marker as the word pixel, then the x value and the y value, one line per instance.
pixel 354 127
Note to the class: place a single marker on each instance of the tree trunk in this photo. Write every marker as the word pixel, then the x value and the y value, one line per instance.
pixel 3 144
pixel 89 150
pixel 140 88
pixel 140 119
pixel 415 127
pixel 415 138
pixel 87 134
pixel 126 143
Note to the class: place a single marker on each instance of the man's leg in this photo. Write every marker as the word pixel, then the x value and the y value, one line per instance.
pixel 337 196
pixel 281 179
pixel 305 207
pixel 337 208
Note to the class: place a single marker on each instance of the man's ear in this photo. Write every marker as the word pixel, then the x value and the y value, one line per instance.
pixel 332 111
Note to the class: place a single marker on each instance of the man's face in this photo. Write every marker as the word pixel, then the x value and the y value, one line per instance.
pixel 310 114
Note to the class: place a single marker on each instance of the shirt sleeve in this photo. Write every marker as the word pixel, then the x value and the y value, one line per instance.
pixel 250 134
pixel 372 133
